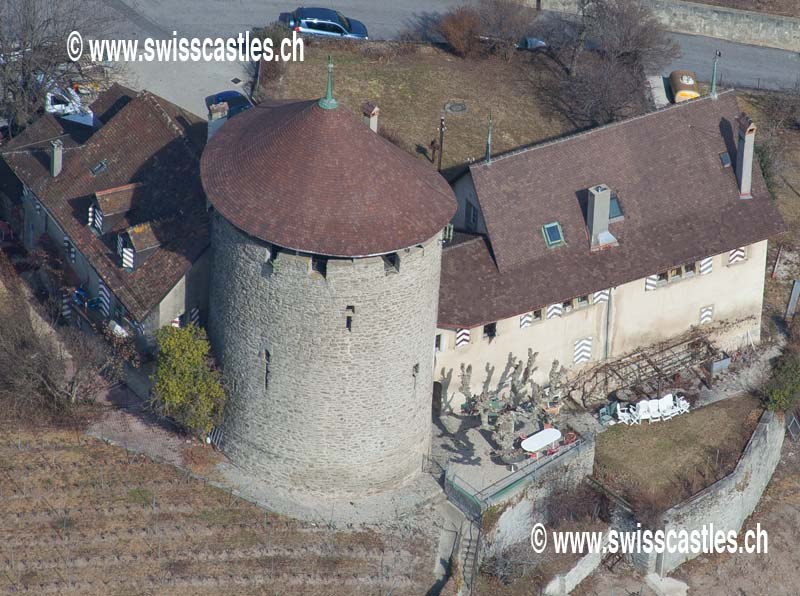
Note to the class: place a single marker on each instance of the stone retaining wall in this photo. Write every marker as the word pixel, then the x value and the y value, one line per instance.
pixel 739 26
pixel 729 502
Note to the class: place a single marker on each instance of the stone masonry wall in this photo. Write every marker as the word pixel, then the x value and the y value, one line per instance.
pixel 729 502
pixel 343 412
pixel 713 21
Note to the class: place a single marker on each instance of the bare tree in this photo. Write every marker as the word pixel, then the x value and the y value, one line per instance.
pixel 624 32
pixel 44 371
pixel 603 56
pixel 504 23
pixel 33 51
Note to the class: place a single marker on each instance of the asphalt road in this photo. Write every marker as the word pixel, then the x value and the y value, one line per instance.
pixel 740 66
pixel 187 84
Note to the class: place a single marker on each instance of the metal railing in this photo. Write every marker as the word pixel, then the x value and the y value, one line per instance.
pixel 523 474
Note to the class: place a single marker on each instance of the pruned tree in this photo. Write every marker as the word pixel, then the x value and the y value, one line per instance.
pixel 33 52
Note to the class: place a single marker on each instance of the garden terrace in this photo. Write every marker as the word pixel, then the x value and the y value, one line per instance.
pixel 654 466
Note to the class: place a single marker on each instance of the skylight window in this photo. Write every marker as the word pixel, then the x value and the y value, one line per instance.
pixel 553 234
pixel 100 167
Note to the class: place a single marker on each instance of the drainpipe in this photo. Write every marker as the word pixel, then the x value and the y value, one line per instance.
pixel 607 342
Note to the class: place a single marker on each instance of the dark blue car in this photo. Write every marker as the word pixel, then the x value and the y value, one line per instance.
pixel 323 21
pixel 235 100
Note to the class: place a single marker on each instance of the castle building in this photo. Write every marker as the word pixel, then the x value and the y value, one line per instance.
pixel 589 248
pixel 326 259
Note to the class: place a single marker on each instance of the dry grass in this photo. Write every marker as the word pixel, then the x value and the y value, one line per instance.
pixel 411 89
pixel 654 466
pixel 786 190
pixel 786 8
pixel 81 516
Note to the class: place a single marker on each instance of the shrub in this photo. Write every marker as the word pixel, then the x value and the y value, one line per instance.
pixel 460 28
pixel 187 386
pixel 783 389
pixel 270 71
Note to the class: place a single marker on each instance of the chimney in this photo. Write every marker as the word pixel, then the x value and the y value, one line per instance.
pixel 597 217
pixel 56 157
pixel 744 156
pixel 217 116
pixel 371 113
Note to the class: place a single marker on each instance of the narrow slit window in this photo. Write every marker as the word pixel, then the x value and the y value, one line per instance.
pixel 266 369
pixel 348 320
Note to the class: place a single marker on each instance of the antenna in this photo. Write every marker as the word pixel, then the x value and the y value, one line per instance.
pixel 717 56
pixel 489 141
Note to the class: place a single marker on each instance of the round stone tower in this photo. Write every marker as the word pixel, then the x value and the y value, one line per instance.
pixel 324 292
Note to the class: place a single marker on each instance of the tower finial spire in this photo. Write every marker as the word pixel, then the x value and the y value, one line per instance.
pixel 328 102
pixel 489 141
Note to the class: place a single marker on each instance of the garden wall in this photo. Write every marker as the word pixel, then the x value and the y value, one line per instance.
pixel 730 501
pixel 739 26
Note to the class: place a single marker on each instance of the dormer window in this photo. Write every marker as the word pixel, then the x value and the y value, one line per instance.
pixel 615 209
pixel 553 234
pixel 125 251
pixel 96 218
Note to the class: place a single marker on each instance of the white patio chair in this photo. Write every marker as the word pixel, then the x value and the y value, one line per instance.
pixel 666 407
pixel 655 413
pixel 633 410
pixel 682 405
pixel 623 415
pixel 643 410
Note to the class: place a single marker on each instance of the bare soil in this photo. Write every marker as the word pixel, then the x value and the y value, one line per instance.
pixel 654 466
pixel 787 8
pixel 81 516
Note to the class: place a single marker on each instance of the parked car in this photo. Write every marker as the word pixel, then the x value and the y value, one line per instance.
pixel 531 44
pixel 323 21
pixel 236 101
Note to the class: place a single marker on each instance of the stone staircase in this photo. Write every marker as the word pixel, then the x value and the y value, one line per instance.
pixel 468 555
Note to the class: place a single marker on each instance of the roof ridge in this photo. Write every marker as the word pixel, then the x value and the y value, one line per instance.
pixel 152 100
pixel 583 133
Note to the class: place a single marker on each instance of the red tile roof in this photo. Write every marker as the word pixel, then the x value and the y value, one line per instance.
pixel 147 141
pixel 320 181
pixel 679 204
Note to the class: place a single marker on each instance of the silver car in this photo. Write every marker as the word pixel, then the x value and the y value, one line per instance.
pixel 323 21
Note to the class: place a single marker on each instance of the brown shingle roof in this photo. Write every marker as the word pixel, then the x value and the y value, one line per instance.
pixel 117 200
pixel 679 204
pixel 141 143
pixel 320 181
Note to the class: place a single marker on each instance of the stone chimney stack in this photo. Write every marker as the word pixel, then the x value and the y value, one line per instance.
pixel 371 113
pixel 744 156
pixel 56 157
pixel 597 212
pixel 217 116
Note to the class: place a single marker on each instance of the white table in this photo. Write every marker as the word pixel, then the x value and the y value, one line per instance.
pixel 542 439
